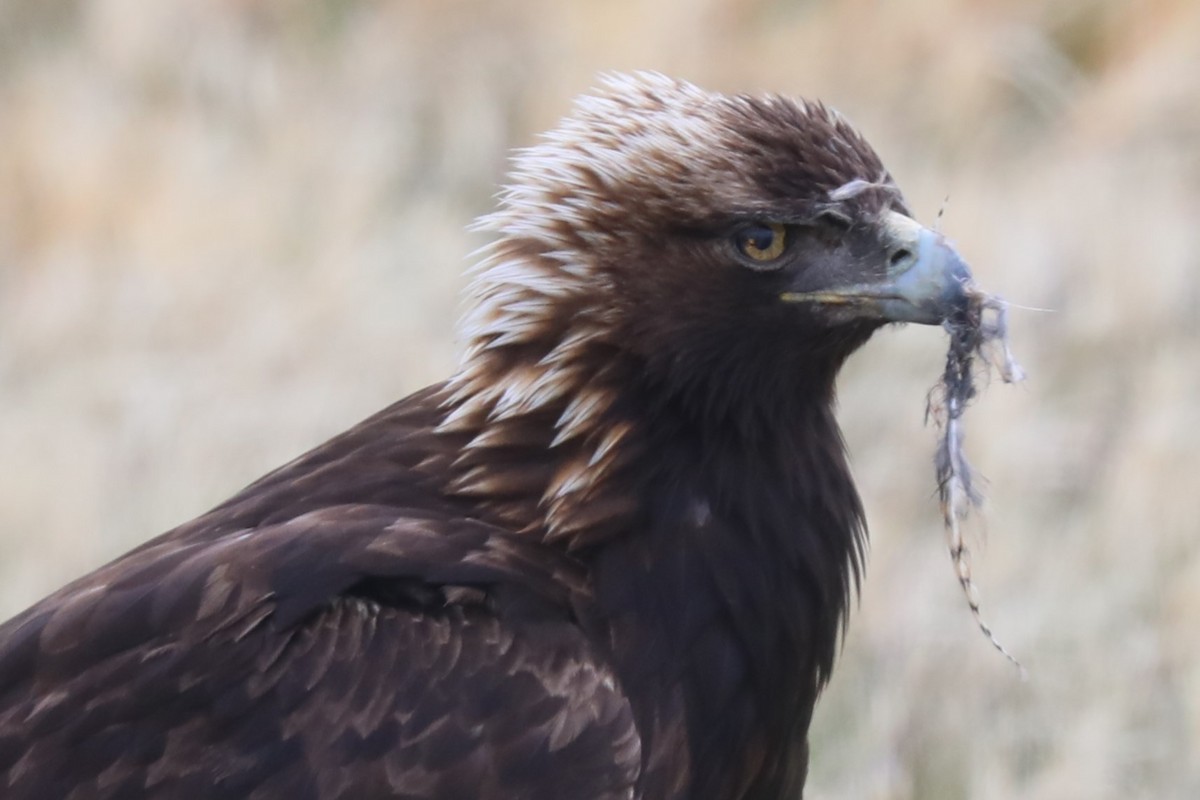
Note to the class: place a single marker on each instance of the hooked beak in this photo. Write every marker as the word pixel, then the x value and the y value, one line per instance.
pixel 925 282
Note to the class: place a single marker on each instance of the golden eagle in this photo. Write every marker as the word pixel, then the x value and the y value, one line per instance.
pixel 608 558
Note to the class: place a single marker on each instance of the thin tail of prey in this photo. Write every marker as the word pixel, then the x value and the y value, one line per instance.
pixel 981 331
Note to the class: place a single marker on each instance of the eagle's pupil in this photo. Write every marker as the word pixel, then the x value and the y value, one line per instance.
pixel 760 238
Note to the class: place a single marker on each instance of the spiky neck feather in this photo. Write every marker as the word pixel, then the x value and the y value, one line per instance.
pixel 723 552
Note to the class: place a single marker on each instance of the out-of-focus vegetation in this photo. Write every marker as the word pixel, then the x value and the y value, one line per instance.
pixel 230 228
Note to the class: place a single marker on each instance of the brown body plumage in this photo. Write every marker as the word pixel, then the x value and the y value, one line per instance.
pixel 609 558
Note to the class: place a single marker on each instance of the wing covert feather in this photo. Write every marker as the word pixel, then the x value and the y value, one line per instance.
pixel 353 652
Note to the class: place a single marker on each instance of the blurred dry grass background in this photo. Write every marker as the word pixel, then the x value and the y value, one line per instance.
pixel 229 229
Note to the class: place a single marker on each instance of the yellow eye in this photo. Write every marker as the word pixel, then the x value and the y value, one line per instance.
pixel 762 241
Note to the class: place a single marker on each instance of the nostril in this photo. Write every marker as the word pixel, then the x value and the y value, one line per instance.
pixel 900 256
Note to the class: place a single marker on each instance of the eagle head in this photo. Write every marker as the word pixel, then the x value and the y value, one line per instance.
pixel 722 255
